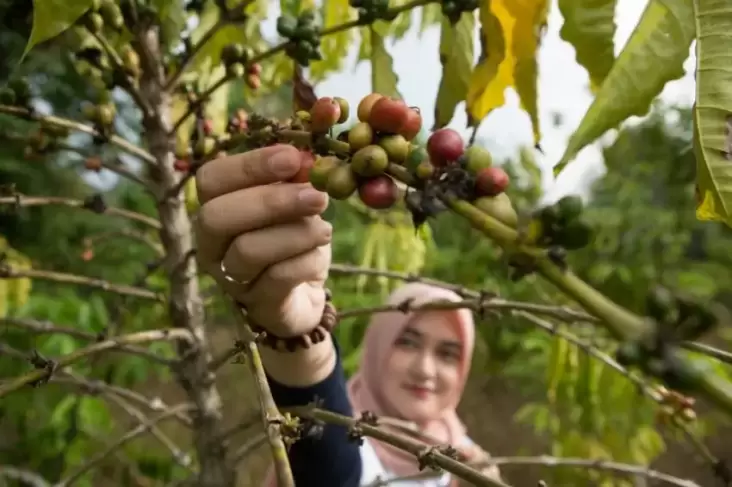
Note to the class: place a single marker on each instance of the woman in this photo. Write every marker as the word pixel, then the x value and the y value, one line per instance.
pixel 274 258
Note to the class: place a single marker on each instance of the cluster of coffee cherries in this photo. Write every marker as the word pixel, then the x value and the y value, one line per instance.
pixel 17 92
pixel 675 407
pixel 303 34
pixel 382 137
pixel 561 224
pixel 236 58
pixel 372 10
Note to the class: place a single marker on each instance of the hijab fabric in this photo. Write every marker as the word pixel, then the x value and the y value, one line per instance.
pixel 365 390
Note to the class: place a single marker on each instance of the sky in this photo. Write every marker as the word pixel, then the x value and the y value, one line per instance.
pixel 563 90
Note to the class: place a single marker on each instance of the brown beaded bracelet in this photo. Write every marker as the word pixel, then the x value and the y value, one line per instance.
pixel 290 344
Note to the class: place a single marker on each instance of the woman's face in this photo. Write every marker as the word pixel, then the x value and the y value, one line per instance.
pixel 422 374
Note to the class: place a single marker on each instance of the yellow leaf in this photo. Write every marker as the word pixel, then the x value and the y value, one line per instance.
pixel 456 56
pixel 653 56
pixel 511 31
pixel 713 110
pixel 333 47
pixel 589 25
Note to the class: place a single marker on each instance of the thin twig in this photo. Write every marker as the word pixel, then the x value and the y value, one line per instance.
pixel 9 272
pixel 115 140
pixel 46 327
pixel 615 467
pixel 271 416
pixel 132 434
pixel 26 476
pixel 128 233
pixel 26 201
pixel 34 376
pixel 248 448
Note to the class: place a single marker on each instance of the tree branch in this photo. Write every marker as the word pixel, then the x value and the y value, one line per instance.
pixel 59 122
pixel 9 272
pixel 132 434
pixel 19 200
pixel 12 385
pixel 25 476
pixel 129 233
pixel 46 327
pixel 427 456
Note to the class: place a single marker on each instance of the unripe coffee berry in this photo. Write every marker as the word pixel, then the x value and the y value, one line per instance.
pixel 324 114
pixel 396 147
pixel 360 136
pixel 341 182
pixel 477 158
pixel 370 161
pixel 321 170
pixel 345 109
pixel 366 104
pixel 445 146
pixel 379 193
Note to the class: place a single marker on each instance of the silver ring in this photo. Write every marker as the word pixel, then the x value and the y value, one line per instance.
pixel 231 279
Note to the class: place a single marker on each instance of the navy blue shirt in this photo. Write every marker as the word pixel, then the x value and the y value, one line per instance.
pixel 330 460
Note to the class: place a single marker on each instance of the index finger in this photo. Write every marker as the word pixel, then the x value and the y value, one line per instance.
pixel 254 168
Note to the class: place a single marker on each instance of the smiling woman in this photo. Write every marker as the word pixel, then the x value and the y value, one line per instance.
pixel 414 367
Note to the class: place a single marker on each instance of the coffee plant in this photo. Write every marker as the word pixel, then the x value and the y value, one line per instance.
pixel 179 78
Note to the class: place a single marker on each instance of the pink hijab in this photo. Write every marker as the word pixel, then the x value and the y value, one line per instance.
pixel 364 388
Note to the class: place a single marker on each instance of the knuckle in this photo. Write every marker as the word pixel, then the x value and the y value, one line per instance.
pixel 208 221
pixel 245 252
pixel 279 199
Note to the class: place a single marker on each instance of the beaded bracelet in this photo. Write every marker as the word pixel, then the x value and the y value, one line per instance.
pixel 306 340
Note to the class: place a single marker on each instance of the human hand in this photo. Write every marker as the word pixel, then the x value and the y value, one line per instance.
pixel 269 235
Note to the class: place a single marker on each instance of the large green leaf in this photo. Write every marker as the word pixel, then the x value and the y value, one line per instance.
pixel 589 25
pixel 52 17
pixel 713 109
pixel 383 78
pixel 654 55
pixel 456 56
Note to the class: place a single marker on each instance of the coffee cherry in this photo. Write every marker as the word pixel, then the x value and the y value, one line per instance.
pixel 320 172
pixel 345 109
pixel 182 165
pixel 412 125
pixel 94 22
pixel 575 235
pixel 255 69
pixel 207 126
pixel 324 113
pixel 445 146
pixel 499 207
pixel 253 82
pixel 388 115
pixel 396 147
pixel 204 146
pixel 106 114
pixel 425 170
pixel 366 104
pixel 341 182
pixel 235 70
pixel 417 155
pixel 130 61
pixel 491 181
pixel 372 160
pixel 477 158
pixel 569 207
pixel 379 193
pixel 93 163
pixel 232 53
pixel 360 136
pixel 307 160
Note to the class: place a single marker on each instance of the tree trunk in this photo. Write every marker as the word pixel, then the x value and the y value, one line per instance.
pixel 185 305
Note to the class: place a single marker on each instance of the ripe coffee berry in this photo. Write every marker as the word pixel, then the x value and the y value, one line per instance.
pixel 388 115
pixel 412 125
pixel 366 104
pixel 379 193
pixel 182 165
pixel 445 146
pixel 491 181
pixel 324 113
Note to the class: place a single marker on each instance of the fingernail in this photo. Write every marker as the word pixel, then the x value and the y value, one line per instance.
pixel 310 197
pixel 283 164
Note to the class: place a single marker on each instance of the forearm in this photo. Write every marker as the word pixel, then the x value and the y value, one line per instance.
pixel 301 368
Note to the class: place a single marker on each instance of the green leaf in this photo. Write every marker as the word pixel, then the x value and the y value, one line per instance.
pixel 456 56
pixel 713 109
pixel 333 47
pixel 589 25
pixel 654 55
pixel 431 15
pixel 383 78
pixel 52 17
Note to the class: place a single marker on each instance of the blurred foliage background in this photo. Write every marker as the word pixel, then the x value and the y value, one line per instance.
pixel 529 391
